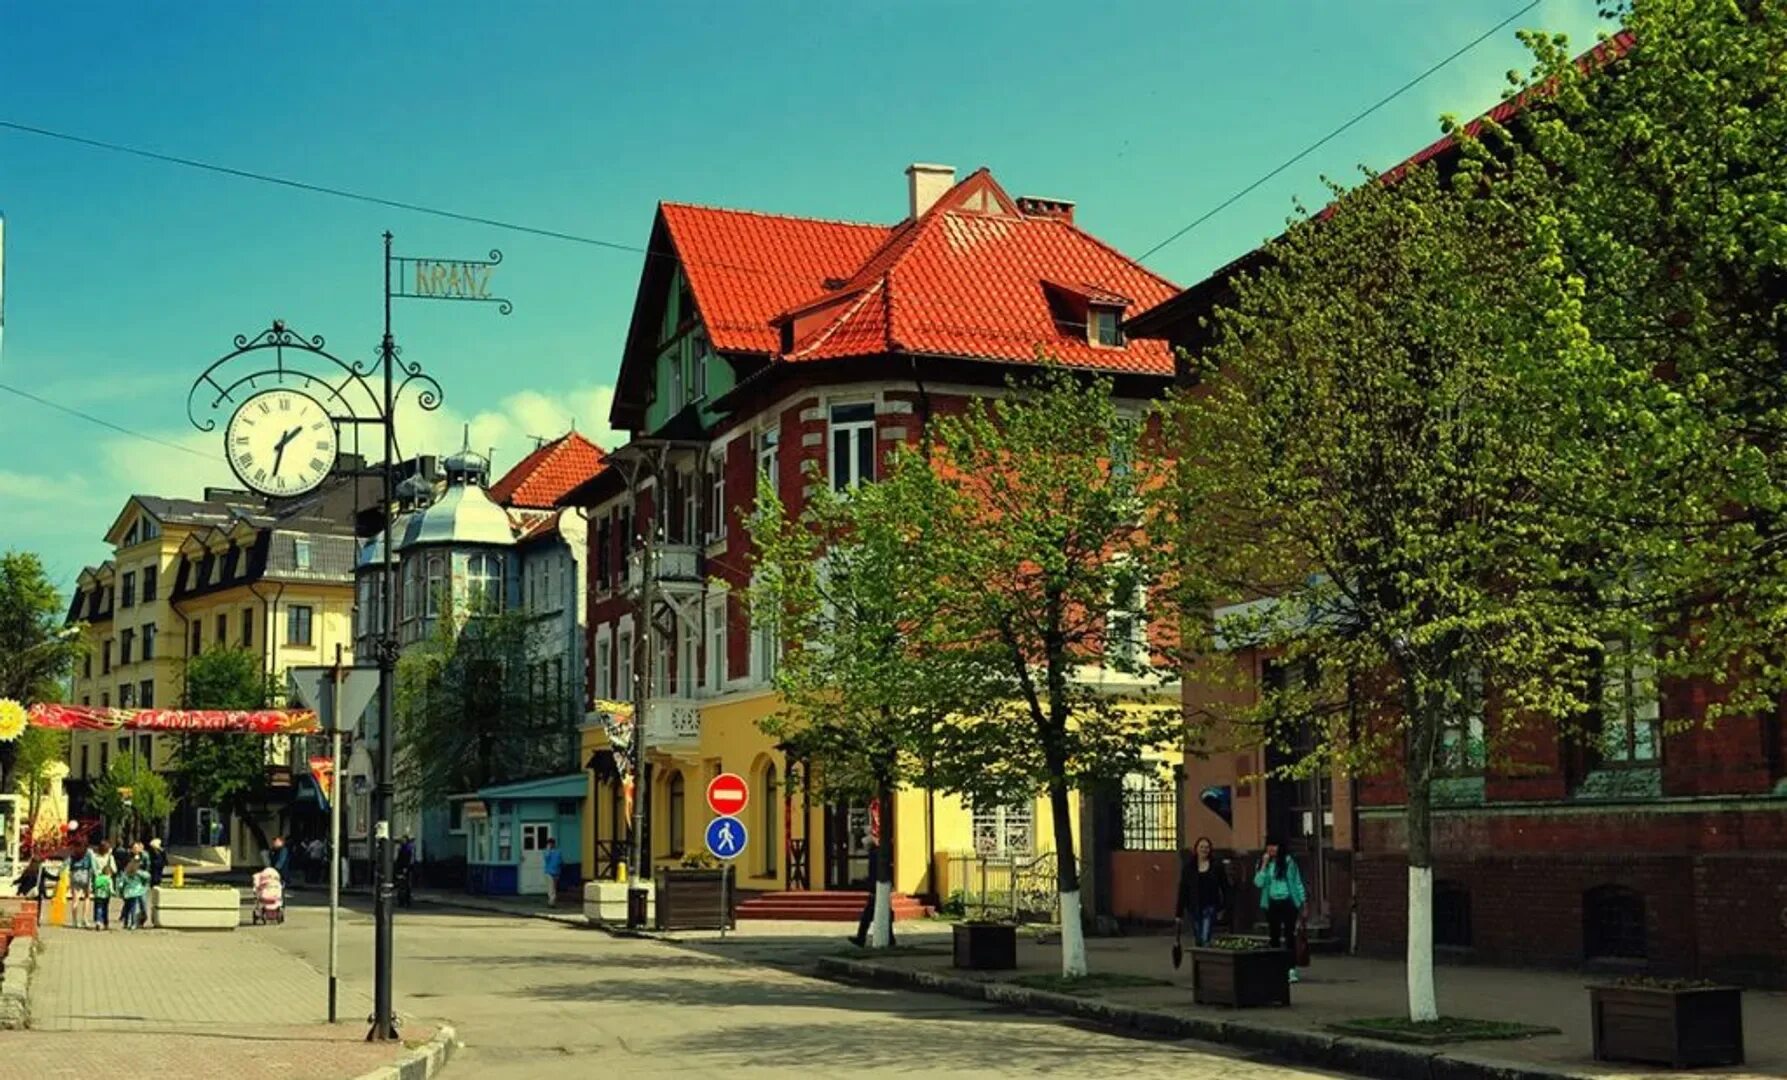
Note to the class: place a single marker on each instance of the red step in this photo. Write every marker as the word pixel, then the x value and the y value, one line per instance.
pixel 799 906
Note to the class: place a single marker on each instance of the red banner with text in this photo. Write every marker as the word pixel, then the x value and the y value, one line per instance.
pixel 233 721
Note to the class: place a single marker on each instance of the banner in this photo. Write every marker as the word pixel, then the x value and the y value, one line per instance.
pixel 322 771
pixel 617 721
pixel 240 722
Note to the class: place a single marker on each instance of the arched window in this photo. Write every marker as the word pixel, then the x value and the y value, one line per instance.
pixel 484 583
pixel 675 816
pixel 772 818
pixel 436 585
pixel 1613 923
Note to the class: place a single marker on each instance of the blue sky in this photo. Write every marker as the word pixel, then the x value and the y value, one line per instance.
pixel 125 277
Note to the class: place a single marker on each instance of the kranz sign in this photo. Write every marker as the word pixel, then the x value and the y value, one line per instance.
pixel 419 278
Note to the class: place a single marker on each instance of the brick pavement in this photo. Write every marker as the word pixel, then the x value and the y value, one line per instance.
pixel 187 1004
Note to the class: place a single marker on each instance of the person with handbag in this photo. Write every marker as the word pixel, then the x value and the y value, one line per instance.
pixel 1282 897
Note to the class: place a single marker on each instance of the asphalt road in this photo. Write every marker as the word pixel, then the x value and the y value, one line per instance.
pixel 537 999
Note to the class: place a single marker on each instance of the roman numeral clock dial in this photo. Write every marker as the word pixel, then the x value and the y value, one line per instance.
pixel 281 442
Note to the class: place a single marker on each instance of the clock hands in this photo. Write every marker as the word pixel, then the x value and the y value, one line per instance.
pixel 279 447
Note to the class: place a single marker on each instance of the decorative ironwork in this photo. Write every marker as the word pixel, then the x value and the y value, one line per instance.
pixel 424 278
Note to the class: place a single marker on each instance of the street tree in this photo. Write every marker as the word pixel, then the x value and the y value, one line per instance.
pixel 1371 459
pixel 222 769
pixel 37 653
pixel 479 702
pixel 869 679
pixel 40 750
pixel 132 793
pixel 1041 564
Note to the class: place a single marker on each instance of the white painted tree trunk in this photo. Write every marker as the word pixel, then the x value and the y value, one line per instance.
pixel 1423 1004
pixel 1073 936
pixel 881 926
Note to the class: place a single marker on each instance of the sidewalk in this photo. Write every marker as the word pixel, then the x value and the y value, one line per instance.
pixel 194 1004
pixel 1336 988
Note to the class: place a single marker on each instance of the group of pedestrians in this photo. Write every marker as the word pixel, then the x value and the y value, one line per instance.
pixel 103 869
pixel 1204 895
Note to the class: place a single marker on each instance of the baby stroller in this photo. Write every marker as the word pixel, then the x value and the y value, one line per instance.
pixel 269 897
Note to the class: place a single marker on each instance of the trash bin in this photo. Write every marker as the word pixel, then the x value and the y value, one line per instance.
pixel 636 907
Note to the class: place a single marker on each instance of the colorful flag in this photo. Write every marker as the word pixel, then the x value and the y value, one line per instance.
pixel 322 771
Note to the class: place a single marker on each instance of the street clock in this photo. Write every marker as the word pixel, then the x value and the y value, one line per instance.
pixel 281 442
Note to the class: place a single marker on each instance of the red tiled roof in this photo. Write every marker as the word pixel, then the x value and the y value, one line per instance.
pixel 535 526
pixel 540 479
pixel 957 281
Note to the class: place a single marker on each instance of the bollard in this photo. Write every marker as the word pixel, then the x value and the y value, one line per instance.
pixel 179 877
pixel 59 901
pixel 620 872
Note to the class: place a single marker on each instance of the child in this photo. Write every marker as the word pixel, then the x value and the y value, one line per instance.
pixel 102 898
pixel 133 888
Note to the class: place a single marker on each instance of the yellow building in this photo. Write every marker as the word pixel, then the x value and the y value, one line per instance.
pixel 229 570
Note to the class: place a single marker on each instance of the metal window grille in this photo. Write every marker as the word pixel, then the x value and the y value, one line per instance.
pixel 1150 814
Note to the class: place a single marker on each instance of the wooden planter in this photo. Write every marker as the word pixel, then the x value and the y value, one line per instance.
pixel 986 946
pixel 1681 1028
pixel 691 899
pixel 1240 978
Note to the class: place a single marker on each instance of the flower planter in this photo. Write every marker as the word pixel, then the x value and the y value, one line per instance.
pixel 691 899
pixel 986 946
pixel 605 902
pixel 1240 978
pixel 1682 1027
pixel 196 909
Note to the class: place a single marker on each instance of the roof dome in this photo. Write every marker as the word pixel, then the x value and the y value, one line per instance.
pixel 467 467
pixel 463 515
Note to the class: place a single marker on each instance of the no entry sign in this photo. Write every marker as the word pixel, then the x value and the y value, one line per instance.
pixel 727 794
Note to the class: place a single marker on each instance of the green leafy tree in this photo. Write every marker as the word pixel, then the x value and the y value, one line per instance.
pixel 870 679
pixel 1376 448
pixel 40 749
pixel 1035 542
pixel 132 792
pixel 37 653
pixel 476 706
pixel 221 769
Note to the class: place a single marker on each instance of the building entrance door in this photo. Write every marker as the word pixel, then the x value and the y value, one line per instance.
pixel 847 845
pixel 531 880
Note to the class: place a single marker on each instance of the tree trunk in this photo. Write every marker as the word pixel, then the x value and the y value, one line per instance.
pixel 1422 1002
pixel 881 927
pixel 1067 878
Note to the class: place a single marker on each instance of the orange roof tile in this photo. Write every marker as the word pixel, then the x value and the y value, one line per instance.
pixel 540 479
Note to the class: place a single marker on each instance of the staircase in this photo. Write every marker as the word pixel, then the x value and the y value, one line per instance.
pixel 804 906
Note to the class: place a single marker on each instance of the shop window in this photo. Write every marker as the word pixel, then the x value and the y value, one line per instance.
pixel 1451 915
pixel 1613 924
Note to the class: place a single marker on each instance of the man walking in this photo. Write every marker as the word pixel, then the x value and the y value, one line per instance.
pixel 861 937
pixel 553 862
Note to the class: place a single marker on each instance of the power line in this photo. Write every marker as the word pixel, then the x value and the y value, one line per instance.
pixel 102 422
pixel 1330 136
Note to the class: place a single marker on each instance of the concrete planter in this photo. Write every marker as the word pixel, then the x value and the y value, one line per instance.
pixel 605 903
pixel 196 909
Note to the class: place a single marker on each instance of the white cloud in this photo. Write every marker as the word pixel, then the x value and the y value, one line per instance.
pixel 508 429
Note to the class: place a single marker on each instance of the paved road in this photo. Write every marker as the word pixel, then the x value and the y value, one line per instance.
pixel 536 999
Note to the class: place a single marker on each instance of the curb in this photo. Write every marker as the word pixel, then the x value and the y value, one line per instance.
pixel 1364 1057
pixel 422 1062
pixel 15 985
pixel 474 905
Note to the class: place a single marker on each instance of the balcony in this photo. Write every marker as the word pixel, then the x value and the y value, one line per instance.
pixel 673 565
pixel 672 725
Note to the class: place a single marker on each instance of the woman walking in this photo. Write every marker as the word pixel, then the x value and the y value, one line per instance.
pixel 1203 891
pixel 80 885
pixel 105 873
pixel 1281 897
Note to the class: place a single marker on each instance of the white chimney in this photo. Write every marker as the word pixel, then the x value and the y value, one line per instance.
pixel 925 184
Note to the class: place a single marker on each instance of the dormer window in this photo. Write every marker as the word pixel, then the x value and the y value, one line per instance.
pixel 1104 327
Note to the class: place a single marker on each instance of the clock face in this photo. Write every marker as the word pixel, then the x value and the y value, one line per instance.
pixel 281 442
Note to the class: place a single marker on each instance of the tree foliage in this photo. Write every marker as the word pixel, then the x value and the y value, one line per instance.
pixel 36 651
pixel 132 792
pixel 472 708
pixel 221 769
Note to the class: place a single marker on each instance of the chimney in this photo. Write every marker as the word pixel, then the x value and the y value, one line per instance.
pixel 1039 206
pixel 925 184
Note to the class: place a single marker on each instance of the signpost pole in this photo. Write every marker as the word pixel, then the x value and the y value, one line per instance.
pixel 725 897
pixel 334 826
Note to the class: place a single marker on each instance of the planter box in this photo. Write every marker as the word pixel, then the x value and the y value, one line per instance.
pixel 605 903
pixel 1240 978
pixel 690 899
pixel 986 946
pixel 1684 1028
pixel 195 909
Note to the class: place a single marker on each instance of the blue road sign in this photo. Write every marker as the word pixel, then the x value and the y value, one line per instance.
pixel 726 837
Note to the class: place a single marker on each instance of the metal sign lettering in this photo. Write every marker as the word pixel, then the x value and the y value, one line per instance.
pixel 447 279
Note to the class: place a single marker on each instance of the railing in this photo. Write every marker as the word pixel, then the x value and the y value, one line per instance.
pixel 671 562
pixel 1022 887
pixel 672 724
pixel 1150 819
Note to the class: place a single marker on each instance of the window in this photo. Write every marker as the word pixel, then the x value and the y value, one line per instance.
pixel 1451 915
pixel 766 649
pixel 674 361
pixel 1627 689
pixel 127 696
pixel 86 701
pixel 198 629
pixel 1150 814
pixel 301 553
pixel 852 445
pixel 604 668
pixel 675 815
pixel 1003 830
pixel 687 647
pixel 105 658
pixel 716 499
pixel 766 459
pixel 1613 924
pixel 604 552
pixel 716 646
pixel 105 757
pixel 223 628
pixel 623 665
pixel 132 536
pixel 149 630
pixel 248 628
pixel 125 638
pixel 1463 748
pixel 148 583
pixel 1103 327
pixel 146 693
pixel 772 819
pixel 127 590
pixel 484 583
pixel 1126 644
pixel 691 493
pixel 105 700
pixel 436 585
pixel 297 625
pixel 412 586
pixel 698 355
pixel 87 666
